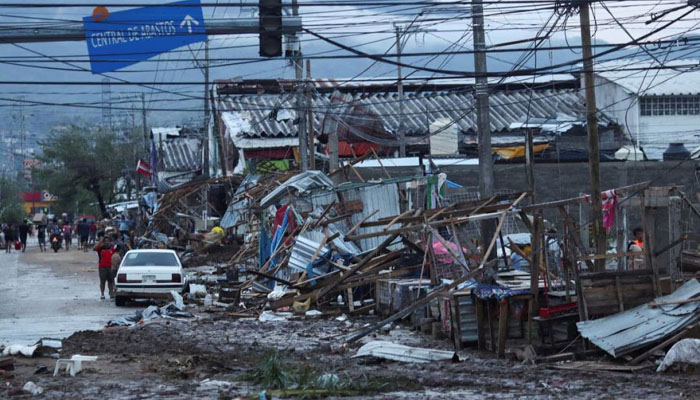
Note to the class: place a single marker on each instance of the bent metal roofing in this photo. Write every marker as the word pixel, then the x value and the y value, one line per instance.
pixel 376 113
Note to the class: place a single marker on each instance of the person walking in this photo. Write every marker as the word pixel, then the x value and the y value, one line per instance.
pixel 84 233
pixel 23 232
pixel 105 250
pixel 123 226
pixel 92 235
pixel 67 231
pixel 9 238
pixel 41 237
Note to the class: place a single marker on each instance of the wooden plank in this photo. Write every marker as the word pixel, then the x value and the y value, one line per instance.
pixel 369 257
pixel 559 203
pixel 665 303
pixel 393 221
pixel 673 339
pixel 608 256
pixel 600 366
pixel 481 340
pixel 619 294
pixel 357 225
pixel 351 300
pixel 502 328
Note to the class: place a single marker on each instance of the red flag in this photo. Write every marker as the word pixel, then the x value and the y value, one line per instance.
pixel 144 168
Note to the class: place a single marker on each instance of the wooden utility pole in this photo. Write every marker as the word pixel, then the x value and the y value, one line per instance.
pixel 205 163
pixel 143 122
pixel 206 84
pixel 536 242
pixel 218 135
pixel 310 117
pixel 399 81
pixel 486 178
pixel 301 97
pixel 593 141
pixel 530 163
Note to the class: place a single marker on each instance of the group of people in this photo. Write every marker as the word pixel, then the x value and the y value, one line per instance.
pixel 85 230
pixel 14 235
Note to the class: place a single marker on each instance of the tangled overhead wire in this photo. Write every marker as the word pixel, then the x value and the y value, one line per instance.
pixel 568 8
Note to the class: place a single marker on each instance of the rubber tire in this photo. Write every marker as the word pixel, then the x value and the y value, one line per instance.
pixel 120 301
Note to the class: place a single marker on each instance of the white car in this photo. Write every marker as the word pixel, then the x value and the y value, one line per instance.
pixel 148 274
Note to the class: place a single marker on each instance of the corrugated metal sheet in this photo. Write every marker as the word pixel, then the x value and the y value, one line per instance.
pixel 382 197
pixel 633 329
pixel 465 319
pixel 378 112
pixel 301 184
pixel 239 207
pixel 385 199
pixel 399 352
pixel 304 248
pixel 182 154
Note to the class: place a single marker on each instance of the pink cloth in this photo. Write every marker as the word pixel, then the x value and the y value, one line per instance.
pixel 609 198
pixel 609 203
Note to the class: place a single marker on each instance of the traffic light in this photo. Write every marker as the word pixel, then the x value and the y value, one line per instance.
pixel 270 28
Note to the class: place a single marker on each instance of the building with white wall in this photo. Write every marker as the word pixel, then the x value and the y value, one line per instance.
pixel 655 104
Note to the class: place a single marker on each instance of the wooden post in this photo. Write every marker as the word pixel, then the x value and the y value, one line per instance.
pixel 593 140
pixel 647 225
pixel 502 327
pixel 310 117
pixel 480 324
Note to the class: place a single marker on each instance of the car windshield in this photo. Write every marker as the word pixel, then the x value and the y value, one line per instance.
pixel 150 260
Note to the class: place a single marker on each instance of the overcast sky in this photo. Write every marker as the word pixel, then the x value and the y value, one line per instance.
pixel 366 28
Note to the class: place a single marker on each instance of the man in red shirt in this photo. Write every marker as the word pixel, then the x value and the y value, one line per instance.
pixel 105 250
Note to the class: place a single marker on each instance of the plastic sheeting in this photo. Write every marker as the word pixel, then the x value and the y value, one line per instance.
pixel 687 351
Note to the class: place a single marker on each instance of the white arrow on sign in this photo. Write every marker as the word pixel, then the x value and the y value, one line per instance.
pixel 188 21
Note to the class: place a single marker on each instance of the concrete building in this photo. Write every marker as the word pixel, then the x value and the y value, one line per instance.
pixel 655 105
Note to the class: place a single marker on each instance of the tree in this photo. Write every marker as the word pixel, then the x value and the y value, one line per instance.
pixel 11 209
pixel 79 159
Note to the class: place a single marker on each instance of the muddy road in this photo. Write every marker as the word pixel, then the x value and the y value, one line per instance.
pixel 47 294
pixel 219 356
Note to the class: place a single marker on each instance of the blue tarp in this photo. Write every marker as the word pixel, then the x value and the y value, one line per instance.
pixel 485 291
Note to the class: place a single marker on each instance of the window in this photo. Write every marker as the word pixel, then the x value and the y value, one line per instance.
pixel 148 259
pixel 669 105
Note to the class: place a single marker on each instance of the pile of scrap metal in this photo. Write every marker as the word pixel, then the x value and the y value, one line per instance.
pixel 182 218
pixel 310 244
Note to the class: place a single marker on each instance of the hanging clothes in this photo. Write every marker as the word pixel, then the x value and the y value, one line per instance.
pixel 609 205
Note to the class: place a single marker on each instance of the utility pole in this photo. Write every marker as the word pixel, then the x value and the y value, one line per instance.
pixel 486 177
pixel 206 85
pixel 143 122
pixel 536 243
pixel 301 95
pixel 402 136
pixel 310 117
pixel 593 141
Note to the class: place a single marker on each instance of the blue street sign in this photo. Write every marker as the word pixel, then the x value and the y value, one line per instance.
pixel 126 37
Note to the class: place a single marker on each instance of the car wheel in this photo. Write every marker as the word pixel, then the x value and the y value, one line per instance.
pixel 120 301
pixel 186 289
